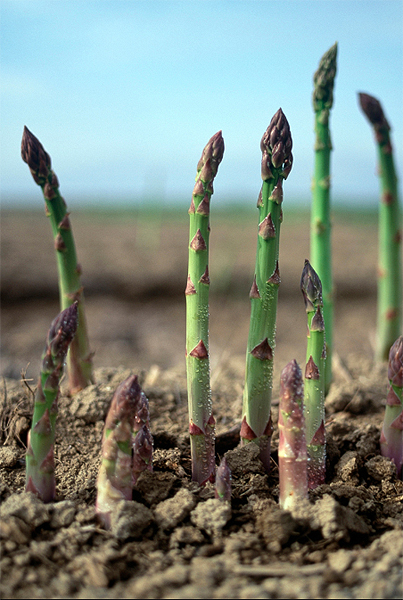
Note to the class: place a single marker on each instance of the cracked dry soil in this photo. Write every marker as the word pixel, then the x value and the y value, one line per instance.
pixel 175 540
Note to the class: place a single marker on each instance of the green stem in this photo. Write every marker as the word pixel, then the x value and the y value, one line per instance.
pixel 256 412
pixel 201 420
pixel 321 252
pixel 79 358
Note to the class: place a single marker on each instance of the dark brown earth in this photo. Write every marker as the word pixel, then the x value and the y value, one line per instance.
pixel 174 540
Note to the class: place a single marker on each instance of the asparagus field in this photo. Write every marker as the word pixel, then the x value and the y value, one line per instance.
pixel 176 545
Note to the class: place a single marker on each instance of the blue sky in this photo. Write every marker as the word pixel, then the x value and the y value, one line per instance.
pixel 124 94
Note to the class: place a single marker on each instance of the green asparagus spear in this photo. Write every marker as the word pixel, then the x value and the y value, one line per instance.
pixel 389 305
pixel 40 467
pixel 256 425
pixel 292 455
pixel 321 252
pixel 201 420
pixel 392 430
pixel 314 389
pixel 79 358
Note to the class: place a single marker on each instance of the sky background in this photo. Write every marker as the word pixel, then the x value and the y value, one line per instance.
pixel 124 94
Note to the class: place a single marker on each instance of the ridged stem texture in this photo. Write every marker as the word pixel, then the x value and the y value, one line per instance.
pixel 127 420
pixel 40 464
pixel 223 481
pixel 276 146
pixel 292 453
pixel 389 302
pixel 201 419
pixel 79 358
pixel 321 250
pixel 392 429
pixel 314 385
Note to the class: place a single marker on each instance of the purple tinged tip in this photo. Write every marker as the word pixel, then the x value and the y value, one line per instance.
pixel 372 109
pixel 291 383
pixel 34 154
pixel 311 287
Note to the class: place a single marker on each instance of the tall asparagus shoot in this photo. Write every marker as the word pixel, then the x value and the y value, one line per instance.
pixel 40 465
pixel 118 472
pixel 292 454
pixel 201 420
pixel 392 430
pixel 79 358
pixel 389 305
pixel 276 146
pixel 314 388
pixel 321 256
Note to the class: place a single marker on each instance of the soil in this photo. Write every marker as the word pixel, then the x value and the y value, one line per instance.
pixel 175 540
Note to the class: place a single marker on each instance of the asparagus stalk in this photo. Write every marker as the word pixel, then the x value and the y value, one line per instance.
pixel 256 424
pixel 392 430
pixel 389 305
pixel 40 466
pixel 201 420
pixel 292 453
pixel 223 481
pixel 79 358
pixel 314 389
pixel 116 477
pixel 321 252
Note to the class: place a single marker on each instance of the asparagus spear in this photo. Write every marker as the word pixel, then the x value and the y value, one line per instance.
pixel 256 424
pixel 314 389
pixel 40 467
pixel 392 430
pixel 223 481
pixel 389 309
pixel 79 359
pixel 292 454
pixel 321 257
pixel 116 477
pixel 201 420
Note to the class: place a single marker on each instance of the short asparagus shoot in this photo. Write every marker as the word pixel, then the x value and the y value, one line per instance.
pixel 79 358
pixel 314 388
pixel 292 453
pixel 321 251
pixel 392 430
pixel 223 481
pixel 40 464
pixel 276 146
pixel 119 470
pixel 201 419
pixel 389 302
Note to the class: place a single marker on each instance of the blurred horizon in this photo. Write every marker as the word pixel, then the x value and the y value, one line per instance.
pixel 124 94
